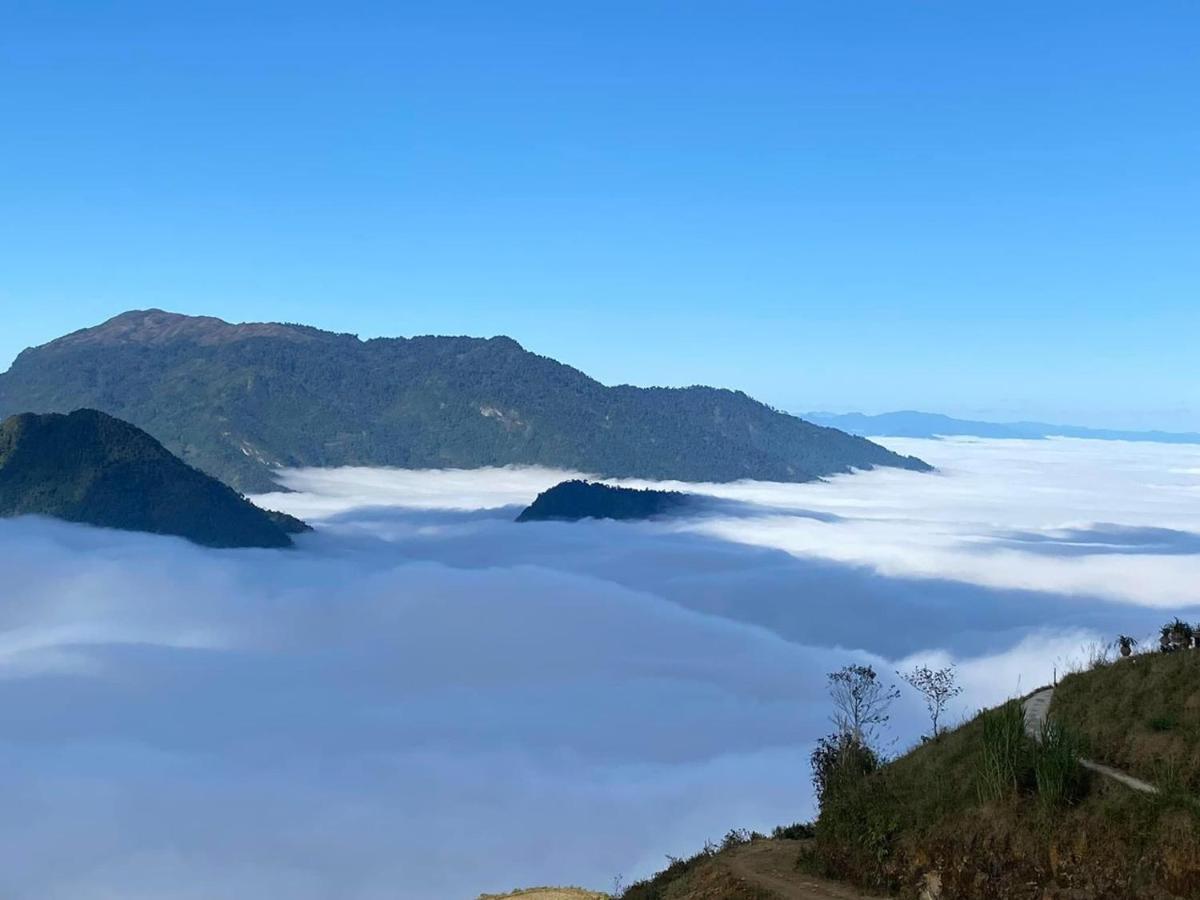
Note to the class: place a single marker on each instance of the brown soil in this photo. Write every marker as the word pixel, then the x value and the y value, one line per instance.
pixel 547 893
pixel 762 870
pixel 771 865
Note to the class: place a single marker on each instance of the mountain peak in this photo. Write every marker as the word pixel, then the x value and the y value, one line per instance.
pixel 237 400
pixel 156 327
pixel 90 467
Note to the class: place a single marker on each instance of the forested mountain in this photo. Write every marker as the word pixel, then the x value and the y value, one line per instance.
pixel 89 467
pixel 237 400
pixel 570 501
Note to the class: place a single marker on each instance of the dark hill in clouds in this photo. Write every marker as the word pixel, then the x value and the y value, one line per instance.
pixel 928 425
pixel 237 400
pixel 89 467
pixel 574 500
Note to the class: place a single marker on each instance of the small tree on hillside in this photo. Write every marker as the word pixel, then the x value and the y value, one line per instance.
pixel 937 686
pixel 839 761
pixel 861 702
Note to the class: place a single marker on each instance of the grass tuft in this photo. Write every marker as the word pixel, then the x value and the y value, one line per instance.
pixel 1005 757
pixel 1060 778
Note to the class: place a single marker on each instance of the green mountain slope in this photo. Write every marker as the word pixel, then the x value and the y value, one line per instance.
pixel 570 501
pixel 986 812
pixel 89 467
pixel 235 400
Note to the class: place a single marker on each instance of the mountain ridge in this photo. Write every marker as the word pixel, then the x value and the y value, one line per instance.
pixel 91 468
pixel 916 424
pixel 237 400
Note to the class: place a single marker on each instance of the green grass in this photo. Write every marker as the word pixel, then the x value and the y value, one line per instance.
pixel 1060 779
pixel 993 812
pixel 1004 757
pixel 1140 714
pixel 997 815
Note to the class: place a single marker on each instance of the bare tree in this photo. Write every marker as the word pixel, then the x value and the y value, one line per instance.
pixel 937 686
pixel 861 702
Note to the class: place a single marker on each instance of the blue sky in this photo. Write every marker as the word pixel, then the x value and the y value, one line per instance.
pixel 987 209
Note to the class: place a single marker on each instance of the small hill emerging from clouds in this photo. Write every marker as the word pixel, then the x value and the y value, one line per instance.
pixel 571 501
pixel 89 467
pixel 238 400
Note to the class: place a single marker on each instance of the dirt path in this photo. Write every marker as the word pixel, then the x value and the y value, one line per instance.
pixel 771 865
pixel 1037 707
pixel 546 894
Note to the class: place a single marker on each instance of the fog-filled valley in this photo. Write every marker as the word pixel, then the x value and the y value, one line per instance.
pixel 427 699
pixel 407 490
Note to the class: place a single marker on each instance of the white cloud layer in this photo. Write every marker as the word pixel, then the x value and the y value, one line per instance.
pixel 427 700
pixel 1107 519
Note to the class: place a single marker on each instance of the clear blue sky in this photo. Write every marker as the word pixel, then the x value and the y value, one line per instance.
pixel 978 208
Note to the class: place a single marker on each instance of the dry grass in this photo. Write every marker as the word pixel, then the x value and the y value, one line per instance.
pixel 948 808
pixel 973 809
pixel 1140 714
pixel 548 893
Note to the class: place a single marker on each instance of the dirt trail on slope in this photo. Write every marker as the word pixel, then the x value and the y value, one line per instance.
pixel 1037 707
pixel 546 894
pixel 764 868
pixel 771 865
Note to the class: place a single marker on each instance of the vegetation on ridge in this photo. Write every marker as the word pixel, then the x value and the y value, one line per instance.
pixel 91 468
pixel 1141 715
pixel 986 812
pixel 570 501
pixel 236 400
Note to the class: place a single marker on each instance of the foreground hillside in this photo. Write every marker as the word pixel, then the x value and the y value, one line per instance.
pixel 235 400
pixel 547 893
pixel 987 813
pixel 91 468
pixel 744 867
pixel 1142 716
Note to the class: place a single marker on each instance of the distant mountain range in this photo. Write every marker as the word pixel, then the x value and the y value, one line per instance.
pixel 239 400
pixel 573 500
pixel 89 467
pixel 927 425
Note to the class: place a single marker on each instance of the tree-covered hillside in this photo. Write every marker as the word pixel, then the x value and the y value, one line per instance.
pixel 236 400
pixel 89 467
pixel 570 501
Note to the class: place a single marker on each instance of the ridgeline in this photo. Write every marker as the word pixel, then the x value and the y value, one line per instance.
pixel 238 400
pixel 90 468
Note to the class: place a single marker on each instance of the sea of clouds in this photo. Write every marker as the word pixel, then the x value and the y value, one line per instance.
pixel 427 700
